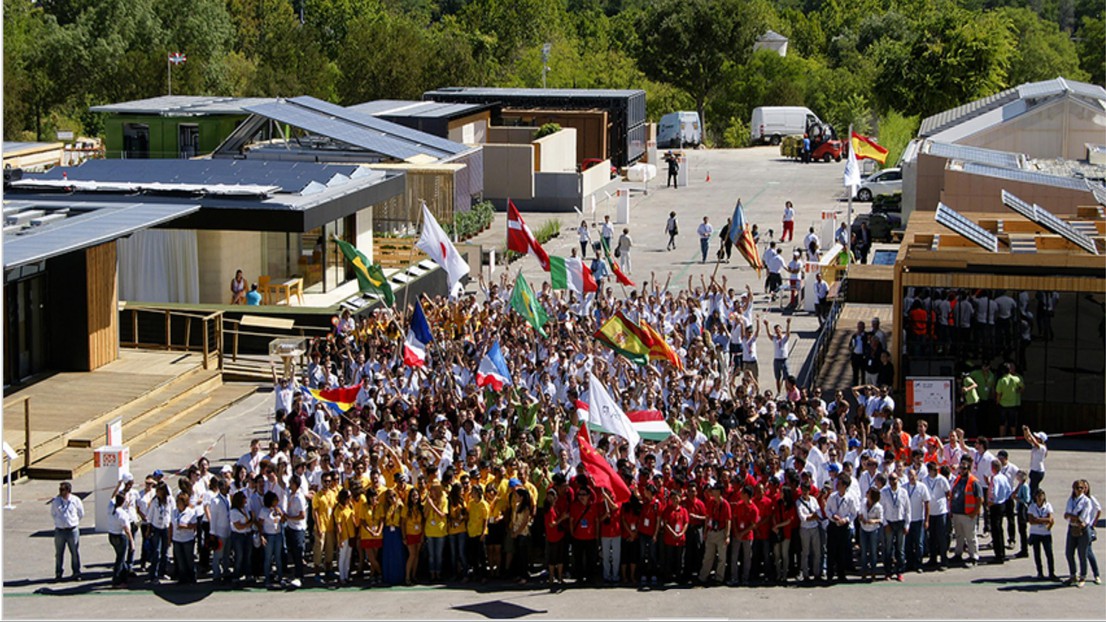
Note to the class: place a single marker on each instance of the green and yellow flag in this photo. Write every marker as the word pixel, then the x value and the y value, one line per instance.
pixel 370 276
pixel 526 303
pixel 620 334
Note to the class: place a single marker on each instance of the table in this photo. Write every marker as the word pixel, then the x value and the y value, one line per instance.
pixel 285 288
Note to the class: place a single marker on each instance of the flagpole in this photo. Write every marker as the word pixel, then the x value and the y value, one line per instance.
pixel 411 257
pixel 169 66
pixel 849 218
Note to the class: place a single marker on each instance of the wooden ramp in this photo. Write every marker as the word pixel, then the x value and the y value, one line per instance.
pixel 836 372
pixel 157 394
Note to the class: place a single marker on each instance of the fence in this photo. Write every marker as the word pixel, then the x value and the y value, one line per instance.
pixel 812 368
pixel 164 329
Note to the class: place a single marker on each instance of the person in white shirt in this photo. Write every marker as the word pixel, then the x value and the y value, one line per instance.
pixel 159 513
pixel 625 244
pixel 67 511
pixel 896 521
pixel 585 238
pixel 871 526
pixel 918 495
pixel 821 298
pixel 918 441
pixel 672 228
pixel 295 529
pixel 938 536
pixel 788 232
pixel 705 230
pixel 182 531
pixel 775 265
pixel 218 516
pixel 1040 533
pixel 606 232
pixel 121 539
pixel 840 511
pixel 810 515
pixel 795 278
pixel 812 245
pixel 1079 512
pixel 1037 456
pixel 781 348
pixel 252 460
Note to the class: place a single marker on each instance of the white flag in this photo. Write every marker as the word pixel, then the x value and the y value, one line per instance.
pixel 852 172
pixel 605 413
pixel 435 243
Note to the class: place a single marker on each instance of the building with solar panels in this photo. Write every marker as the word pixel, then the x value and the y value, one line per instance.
pixel 78 240
pixel 1017 284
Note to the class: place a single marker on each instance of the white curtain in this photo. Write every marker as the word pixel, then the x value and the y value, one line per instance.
pixel 159 265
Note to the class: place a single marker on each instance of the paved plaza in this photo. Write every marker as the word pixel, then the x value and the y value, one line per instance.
pixel 764 182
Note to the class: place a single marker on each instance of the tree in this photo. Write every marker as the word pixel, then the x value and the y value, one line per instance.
pixel 386 58
pixel 290 61
pixel 1091 34
pixel 1043 51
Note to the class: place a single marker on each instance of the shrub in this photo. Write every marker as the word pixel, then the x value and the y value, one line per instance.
pixel 895 132
pixel 547 129
pixel 549 230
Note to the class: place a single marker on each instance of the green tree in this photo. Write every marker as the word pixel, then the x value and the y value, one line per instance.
pixel 386 57
pixel 202 30
pixel 1091 34
pixel 30 88
pixel 1043 51
pixel 290 61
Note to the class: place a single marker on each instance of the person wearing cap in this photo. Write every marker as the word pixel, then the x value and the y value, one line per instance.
pixel 1039 450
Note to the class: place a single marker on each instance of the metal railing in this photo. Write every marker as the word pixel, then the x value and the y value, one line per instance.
pixel 165 329
pixel 812 367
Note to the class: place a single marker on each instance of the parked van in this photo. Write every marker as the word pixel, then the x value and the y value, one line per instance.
pixel 677 130
pixel 771 123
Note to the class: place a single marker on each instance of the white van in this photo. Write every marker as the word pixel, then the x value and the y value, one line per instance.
pixel 771 123
pixel 679 129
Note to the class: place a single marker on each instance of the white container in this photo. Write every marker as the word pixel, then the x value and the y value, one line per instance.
pixel 641 172
pixel 683 174
pixel 111 462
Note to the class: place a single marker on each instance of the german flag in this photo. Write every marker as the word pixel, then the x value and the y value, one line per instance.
pixel 865 147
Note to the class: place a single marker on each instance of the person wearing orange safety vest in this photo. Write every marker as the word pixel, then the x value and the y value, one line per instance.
pixel 965 505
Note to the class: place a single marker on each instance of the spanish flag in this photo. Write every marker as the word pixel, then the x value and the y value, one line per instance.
pixel 342 397
pixel 865 147
pixel 624 337
pixel 619 275
pixel 659 350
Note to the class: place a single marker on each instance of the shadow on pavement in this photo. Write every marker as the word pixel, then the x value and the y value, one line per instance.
pixel 499 610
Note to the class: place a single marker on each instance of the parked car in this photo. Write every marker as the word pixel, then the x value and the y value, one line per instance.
pixel 590 162
pixel 887 181
pixel 880 225
pixel 677 130
pixel 771 123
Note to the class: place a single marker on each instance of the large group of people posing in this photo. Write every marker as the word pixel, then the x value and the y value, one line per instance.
pixel 429 478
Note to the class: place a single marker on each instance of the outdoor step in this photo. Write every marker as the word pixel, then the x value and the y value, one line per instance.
pixel 172 422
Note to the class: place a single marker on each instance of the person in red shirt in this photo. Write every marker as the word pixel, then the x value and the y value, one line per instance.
pixel 675 522
pixel 555 520
pixel 765 502
pixel 610 538
pixel 717 538
pixel 584 517
pixel 648 524
pixel 697 518
pixel 746 516
pixel 630 514
pixel 785 520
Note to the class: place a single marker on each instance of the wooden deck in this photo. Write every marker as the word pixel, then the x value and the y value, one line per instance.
pixel 836 372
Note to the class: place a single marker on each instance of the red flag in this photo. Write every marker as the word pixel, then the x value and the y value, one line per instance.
pixel 748 249
pixel 342 397
pixel 520 239
pixel 600 470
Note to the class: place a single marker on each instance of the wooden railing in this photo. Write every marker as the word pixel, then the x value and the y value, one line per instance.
pixel 249 339
pixel 395 252
pixel 10 407
pixel 165 329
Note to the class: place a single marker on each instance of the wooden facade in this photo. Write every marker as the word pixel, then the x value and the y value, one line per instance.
pixel 103 300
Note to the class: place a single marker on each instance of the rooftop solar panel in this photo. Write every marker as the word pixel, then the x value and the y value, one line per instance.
pixel 1050 221
pixel 367 120
pixel 1002 159
pixel 966 228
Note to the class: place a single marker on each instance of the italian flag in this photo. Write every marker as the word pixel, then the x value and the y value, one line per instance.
pixel 571 274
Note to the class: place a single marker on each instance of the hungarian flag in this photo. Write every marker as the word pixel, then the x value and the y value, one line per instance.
pixel 865 147
pixel 370 276
pixel 418 338
pixel 520 239
pixel 342 397
pixel 571 273
pixel 650 424
pixel 618 274
pixel 526 303
pixel 493 369
pixel 743 238
pixel 659 350
pixel 601 472
pixel 624 337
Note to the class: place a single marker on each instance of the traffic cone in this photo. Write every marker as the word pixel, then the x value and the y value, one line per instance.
pixel 708 175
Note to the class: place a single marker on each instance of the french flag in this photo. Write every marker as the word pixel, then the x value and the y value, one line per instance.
pixel 418 337
pixel 493 370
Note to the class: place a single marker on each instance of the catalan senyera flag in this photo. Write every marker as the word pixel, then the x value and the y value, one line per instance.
pixel 615 268
pixel 342 397
pixel 370 276
pixel 865 147
pixel 626 338
pixel 659 350
pixel 743 238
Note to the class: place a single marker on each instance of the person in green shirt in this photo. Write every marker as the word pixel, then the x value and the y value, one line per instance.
pixel 1008 393
pixel 713 429
pixel 970 407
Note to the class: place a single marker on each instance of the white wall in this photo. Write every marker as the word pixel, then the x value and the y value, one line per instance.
pixel 556 153
pixel 364 239
pixel 220 254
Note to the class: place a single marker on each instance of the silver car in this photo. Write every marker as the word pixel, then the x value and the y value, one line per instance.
pixel 887 181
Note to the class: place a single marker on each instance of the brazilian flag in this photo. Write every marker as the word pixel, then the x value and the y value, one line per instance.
pixel 527 305
pixel 370 276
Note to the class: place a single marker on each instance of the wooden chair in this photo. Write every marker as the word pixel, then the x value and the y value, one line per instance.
pixel 263 287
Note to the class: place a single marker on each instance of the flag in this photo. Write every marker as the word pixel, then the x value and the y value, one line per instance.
pixel 526 303
pixel 606 414
pixel 493 369
pixel 342 397
pixel 435 243
pixel 571 273
pixel 520 239
pixel 624 337
pixel 177 58
pixel 737 222
pixel 619 275
pixel 743 238
pixel 852 172
pixel 446 461
pixel 418 338
pixel 370 276
pixel 601 472
pixel 659 350
pixel 867 148
pixel 650 424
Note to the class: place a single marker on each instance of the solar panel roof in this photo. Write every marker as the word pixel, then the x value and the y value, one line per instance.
pixel 967 228
pixel 393 129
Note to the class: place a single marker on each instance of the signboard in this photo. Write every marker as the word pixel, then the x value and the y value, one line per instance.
pixel 113 430
pixel 932 395
pixel 65 134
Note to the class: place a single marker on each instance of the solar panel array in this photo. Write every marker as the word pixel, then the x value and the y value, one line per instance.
pixel 966 228
pixel 396 130
pixel 338 129
pixel 1004 159
pixel 1041 216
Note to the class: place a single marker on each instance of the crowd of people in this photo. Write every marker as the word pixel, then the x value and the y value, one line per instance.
pixel 429 477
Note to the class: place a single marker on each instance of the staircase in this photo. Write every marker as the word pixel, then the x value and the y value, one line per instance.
pixel 149 421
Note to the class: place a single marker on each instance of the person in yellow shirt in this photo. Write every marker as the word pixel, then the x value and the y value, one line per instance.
pixel 437 513
pixel 345 523
pixel 413 520
pixel 478 511
pixel 458 528
pixel 325 537
pixel 370 519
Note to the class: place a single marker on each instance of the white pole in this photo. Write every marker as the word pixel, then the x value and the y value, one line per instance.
pixel 169 64
pixel 9 506
pixel 849 219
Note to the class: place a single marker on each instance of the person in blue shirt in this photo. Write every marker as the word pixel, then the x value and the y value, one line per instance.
pixel 999 494
pixel 599 270
pixel 806 148
pixel 253 297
